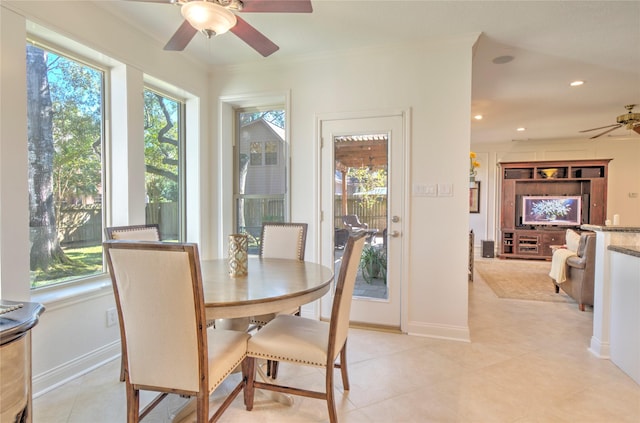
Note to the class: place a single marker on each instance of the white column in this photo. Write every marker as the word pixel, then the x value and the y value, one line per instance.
pixel 606 235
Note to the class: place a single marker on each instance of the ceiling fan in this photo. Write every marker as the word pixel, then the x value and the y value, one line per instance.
pixel 630 120
pixel 215 17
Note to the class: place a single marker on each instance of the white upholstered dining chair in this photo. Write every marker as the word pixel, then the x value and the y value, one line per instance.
pixel 303 341
pixel 168 347
pixel 146 232
pixel 284 241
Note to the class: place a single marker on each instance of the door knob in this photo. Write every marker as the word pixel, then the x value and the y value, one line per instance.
pixel 395 219
pixel 394 234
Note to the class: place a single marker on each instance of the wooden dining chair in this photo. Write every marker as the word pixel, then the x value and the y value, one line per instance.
pixel 146 232
pixel 285 241
pixel 303 341
pixel 168 347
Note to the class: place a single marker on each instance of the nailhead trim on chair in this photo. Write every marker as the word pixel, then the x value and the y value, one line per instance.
pixel 219 381
pixel 281 358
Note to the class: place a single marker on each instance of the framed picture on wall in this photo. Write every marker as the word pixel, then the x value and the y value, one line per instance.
pixel 474 198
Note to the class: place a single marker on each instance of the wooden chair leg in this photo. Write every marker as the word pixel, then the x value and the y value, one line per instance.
pixel 581 307
pixel 274 369
pixel 121 362
pixel 202 407
pixel 557 288
pixel 343 367
pixel 249 366
pixel 331 404
pixel 133 404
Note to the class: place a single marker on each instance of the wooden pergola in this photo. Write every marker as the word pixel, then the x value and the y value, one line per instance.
pixel 355 151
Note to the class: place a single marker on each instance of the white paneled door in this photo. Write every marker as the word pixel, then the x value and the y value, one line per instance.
pixel 363 177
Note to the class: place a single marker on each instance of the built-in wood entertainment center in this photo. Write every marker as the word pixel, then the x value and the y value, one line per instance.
pixel 531 189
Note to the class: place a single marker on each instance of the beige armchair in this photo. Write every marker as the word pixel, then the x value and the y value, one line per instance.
pixel 168 347
pixel 581 272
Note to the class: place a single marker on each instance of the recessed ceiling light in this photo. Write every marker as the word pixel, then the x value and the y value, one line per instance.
pixel 501 60
pixel 521 129
pixel 576 83
pixel 478 117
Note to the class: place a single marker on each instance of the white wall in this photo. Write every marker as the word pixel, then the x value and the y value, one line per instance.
pixel 72 335
pixel 623 181
pixel 434 81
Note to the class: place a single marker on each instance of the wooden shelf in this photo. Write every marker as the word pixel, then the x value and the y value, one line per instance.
pixel 584 178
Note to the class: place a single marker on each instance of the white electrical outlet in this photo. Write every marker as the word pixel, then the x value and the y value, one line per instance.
pixel 112 317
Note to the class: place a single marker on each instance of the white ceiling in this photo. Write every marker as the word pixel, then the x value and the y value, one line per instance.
pixel 552 42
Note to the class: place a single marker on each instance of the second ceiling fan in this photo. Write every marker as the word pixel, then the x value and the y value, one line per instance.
pixel 215 17
pixel 630 120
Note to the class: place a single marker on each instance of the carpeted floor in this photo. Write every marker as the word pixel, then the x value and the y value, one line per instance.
pixel 520 279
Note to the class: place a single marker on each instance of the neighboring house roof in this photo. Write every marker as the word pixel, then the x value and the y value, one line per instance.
pixel 276 130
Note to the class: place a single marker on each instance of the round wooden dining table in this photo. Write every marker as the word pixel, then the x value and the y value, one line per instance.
pixel 271 285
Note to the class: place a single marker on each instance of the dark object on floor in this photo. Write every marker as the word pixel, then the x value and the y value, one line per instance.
pixel 340 238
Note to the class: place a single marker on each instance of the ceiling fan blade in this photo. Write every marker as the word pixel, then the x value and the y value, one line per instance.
pixel 254 38
pixel 606 132
pixel 181 38
pixel 602 127
pixel 277 6
pixel 636 128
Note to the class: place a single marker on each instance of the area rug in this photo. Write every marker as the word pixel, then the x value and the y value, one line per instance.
pixel 520 279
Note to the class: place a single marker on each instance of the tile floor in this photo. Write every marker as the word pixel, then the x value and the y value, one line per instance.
pixel 527 363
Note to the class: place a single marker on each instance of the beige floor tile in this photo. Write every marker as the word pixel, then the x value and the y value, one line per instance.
pixel 527 362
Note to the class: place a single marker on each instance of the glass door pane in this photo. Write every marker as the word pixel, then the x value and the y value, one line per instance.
pixel 360 206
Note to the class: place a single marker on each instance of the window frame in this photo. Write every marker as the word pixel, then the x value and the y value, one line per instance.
pixel 237 111
pixel 182 153
pixel 85 60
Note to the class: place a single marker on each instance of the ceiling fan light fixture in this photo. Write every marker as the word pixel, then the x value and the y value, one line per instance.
pixel 629 119
pixel 208 16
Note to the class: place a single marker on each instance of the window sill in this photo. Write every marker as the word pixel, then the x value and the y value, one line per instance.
pixel 72 293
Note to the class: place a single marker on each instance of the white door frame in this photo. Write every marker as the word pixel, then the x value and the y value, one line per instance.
pixel 404 174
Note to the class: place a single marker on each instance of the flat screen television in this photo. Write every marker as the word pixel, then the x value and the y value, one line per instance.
pixel 558 210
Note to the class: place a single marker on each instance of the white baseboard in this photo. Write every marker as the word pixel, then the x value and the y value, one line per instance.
pixel 453 333
pixel 66 372
pixel 600 349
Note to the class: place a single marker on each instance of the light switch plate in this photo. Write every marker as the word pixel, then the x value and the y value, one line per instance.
pixel 429 190
pixel 445 190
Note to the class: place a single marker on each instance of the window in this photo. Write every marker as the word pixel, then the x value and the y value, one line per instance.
pixel 271 153
pixel 260 173
pixel 255 157
pixel 65 140
pixel 163 141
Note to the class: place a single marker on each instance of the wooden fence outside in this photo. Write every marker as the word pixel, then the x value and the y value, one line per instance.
pixel 374 216
pixel 256 211
pixel 90 231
